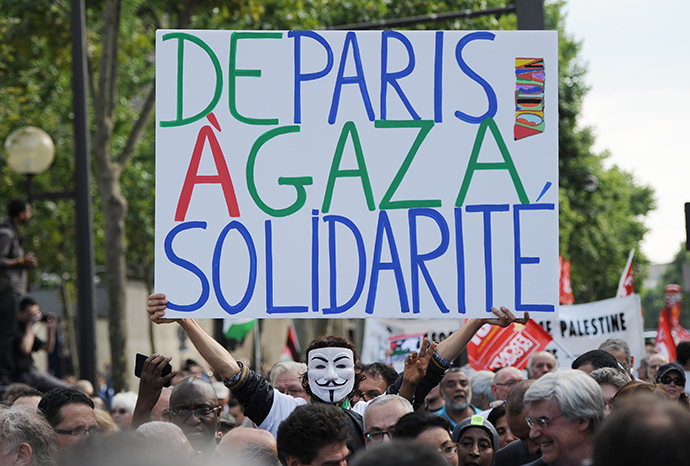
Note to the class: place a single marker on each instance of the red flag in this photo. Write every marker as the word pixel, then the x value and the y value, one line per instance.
pixel 566 291
pixel 492 347
pixel 293 344
pixel 625 285
pixel 673 301
pixel 664 339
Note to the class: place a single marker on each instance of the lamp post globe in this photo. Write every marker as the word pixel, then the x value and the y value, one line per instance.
pixel 30 150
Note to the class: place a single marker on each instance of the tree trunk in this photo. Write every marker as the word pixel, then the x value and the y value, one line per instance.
pixel 114 213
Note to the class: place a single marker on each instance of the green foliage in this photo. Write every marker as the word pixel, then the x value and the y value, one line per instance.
pixel 601 209
pixel 653 299
pixel 597 228
pixel 35 72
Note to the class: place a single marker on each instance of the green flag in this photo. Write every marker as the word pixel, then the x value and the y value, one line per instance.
pixel 237 329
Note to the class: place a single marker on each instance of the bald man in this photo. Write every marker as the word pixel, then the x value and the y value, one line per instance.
pixel 194 409
pixel 504 380
pixel 243 446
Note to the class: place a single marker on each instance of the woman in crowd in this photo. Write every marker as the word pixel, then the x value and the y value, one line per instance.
pixel 122 408
pixel 497 418
pixel 477 440
pixel 671 377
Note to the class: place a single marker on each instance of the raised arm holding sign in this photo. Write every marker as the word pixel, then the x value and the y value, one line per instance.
pixel 321 353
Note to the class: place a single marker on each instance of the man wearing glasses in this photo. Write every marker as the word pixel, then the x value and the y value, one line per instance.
pixel 505 379
pixel 71 414
pixel 565 409
pixel 194 409
pixel 381 416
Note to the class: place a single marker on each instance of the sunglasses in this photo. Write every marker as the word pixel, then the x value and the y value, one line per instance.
pixel 666 380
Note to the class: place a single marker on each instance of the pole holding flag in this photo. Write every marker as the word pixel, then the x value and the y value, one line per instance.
pixel 625 285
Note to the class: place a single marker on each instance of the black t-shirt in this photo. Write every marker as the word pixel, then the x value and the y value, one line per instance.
pixel 22 360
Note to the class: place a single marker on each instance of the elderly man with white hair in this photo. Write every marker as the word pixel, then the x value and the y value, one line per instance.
pixel 26 438
pixel 541 363
pixel 565 409
pixel 481 382
pixel 286 377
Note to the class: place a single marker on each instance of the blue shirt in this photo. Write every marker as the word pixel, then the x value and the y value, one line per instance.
pixel 443 413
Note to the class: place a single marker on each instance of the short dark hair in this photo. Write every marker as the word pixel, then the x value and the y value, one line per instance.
pixel 9 395
pixel 309 428
pixel 597 358
pixel 515 403
pixel 496 414
pixel 651 431
pixel 411 425
pixel 26 302
pixel 124 447
pixel 330 341
pixel 683 352
pixel 31 391
pixel 232 402
pixel 399 453
pixel 15 207
pixel 55 399
pixel 380 370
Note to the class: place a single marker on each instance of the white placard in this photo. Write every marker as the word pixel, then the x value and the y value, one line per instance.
pixel 583 327
pixel 356 174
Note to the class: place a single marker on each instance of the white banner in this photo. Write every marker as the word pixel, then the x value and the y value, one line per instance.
pixel 377 332
pixel 581 327
pixel 337 174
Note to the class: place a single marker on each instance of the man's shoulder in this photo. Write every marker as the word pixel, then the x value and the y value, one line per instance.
pixel 539 462
pixel 7 232
pixel 515 454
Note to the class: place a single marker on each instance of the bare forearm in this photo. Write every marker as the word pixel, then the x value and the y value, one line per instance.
pixel 28 340
pixel 451 347
pixel 144 406
pixel 407 390
pixel 212 351
pixel 50 344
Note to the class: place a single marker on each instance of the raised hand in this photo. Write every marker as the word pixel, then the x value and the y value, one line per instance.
pixel 416 364
pixel 504 317
pixel 156 308
pixel 151 383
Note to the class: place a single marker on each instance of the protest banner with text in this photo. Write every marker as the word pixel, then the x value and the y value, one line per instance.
pixel 336 174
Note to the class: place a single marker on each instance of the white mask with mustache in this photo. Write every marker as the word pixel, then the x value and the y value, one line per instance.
pixel 331 373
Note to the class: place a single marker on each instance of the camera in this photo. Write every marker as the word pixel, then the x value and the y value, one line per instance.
pixel 46 318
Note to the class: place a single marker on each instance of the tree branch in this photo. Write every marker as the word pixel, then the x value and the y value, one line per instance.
pixel 138 129
pixel 108 65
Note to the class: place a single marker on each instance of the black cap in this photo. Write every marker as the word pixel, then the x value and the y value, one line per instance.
pixel 668 367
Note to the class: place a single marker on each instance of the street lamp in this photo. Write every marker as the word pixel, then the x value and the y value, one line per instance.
pixel 30 152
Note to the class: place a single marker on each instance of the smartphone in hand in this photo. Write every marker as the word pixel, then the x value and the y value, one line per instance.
pixel 139 366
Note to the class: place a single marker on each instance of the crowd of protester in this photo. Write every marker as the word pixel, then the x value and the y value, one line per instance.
pixel 333 411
